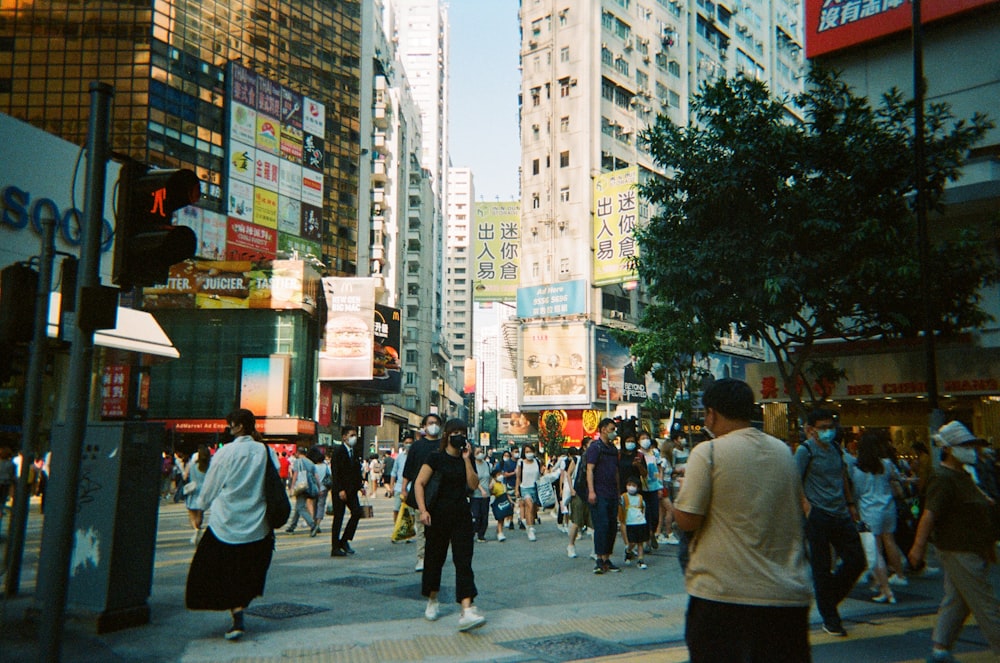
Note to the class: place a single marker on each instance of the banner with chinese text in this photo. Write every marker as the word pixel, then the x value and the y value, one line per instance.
pixel 496 251
pixel 616 212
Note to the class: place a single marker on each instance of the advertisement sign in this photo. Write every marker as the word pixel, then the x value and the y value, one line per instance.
pixel 114 391
pixel 248 241
pixel 264 385
pixel 273 132
pixel 469 375
pixel 206 284
pixel 386 375
pixel 517 428
pixel 835 24
pixel 496 251
pixel 346 350
pixel 554 361
pixel 616 212
pixel 552 300
pixel 615 371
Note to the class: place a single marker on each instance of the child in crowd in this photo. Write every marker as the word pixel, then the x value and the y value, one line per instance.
pixel 498 489
pixel 632 516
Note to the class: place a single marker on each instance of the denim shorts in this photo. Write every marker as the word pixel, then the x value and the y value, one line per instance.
pixel 529 492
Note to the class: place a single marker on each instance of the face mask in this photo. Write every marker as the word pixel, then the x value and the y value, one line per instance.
pixel 630 446
pixel 457 441
pixel 827 436
pixel 613 435
pixel 506 458
pixel 632 490
pixel 480 456
pixel 528 455
pixel 433 430
pixel 964 455
pixel 352 440
pixel 515 456
pixel 645 443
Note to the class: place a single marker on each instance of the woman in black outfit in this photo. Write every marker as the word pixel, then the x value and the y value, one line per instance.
pixel 449 521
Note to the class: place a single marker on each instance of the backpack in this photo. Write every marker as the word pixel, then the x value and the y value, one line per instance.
pixel 580 478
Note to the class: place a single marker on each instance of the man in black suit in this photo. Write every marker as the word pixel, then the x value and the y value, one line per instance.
pixel 345 463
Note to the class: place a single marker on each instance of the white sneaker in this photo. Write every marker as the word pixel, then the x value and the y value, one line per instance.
pixel 501 537
pixel 531 534
pixel 672 540
pixel 661 538
pixel 898 581
pixel 571 551
pixel 433 610
pixel 470 619
pixel 419 566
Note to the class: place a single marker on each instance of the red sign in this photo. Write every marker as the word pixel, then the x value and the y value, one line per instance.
pixel 114 391
pixel 832 25
pixel 325 403
pixel 196 425
pixel 248 241
pixel 365 415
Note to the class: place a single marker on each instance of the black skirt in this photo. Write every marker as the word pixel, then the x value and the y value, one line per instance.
pixel 224 576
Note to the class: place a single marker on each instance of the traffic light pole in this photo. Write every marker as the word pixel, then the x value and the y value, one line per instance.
pixel 32 401
pixel 57 535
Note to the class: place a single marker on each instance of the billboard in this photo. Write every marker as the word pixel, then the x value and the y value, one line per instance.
pixel 264 385
pixel 554 361
pixel 614 371
pixel 616 212
pixel 386 376
pixel 552 300
pixel 215 284
pixel 835 24
pixel 496 251
pixel 517 428
pixel 274 168
pixel 346 351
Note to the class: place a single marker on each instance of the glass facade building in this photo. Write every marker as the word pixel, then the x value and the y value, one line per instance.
pixel 167 60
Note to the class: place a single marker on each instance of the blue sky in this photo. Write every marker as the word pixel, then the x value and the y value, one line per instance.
pixel 485 82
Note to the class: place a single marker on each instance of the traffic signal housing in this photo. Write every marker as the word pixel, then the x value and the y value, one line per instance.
pixel 146 241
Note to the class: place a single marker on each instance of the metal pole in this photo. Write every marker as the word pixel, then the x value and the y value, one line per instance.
pixel 32 400
pixel 57 536
pixel 923 241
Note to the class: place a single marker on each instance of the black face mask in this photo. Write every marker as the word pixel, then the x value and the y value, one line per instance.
pixel 457 441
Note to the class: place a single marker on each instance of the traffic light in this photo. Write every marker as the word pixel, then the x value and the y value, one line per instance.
pixel 146 241
pixel 18 283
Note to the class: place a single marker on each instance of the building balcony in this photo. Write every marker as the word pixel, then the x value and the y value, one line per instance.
pixel 379 171
pixel 379 140
pixel 380 116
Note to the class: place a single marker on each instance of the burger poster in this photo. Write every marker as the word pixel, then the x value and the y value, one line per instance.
pixel 386 375
pixel 347 352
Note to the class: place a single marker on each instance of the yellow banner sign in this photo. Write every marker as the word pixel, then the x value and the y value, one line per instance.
pixel 616 212
pixel 496 248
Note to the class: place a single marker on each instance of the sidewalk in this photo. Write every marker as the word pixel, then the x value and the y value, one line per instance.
pixel 367 608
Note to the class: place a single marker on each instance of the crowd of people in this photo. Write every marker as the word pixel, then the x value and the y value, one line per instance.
pixel 815 520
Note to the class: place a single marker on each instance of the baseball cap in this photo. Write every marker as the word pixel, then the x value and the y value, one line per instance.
pixel 954 434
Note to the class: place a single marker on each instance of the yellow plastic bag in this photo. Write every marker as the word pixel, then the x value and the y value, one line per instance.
pixel 404 529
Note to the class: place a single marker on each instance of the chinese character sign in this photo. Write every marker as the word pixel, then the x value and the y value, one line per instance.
pixel 496 251
pixel 114 391
pixel 835 24
pixel 616 213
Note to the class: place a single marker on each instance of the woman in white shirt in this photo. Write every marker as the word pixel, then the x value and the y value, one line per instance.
pixel 529 470
pixel 230 565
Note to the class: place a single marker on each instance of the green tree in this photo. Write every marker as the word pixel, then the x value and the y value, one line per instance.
pixel 550 434
pixel 794 231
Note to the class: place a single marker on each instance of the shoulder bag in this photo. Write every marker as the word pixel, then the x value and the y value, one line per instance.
pixel 278 508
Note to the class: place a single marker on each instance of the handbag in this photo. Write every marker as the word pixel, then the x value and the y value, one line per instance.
pixel 301 486
pixel 431 491
pixel 189 487
pixel 405 527
pixel 546 494
pixel 367 510
pixel 277 506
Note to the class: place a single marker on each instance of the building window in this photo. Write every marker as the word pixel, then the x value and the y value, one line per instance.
pixel 411 378
pixel 564 159
pixel 564 124
pixel 411 357
pixel 621 65
pixel 674 67
pixel 564 87
pixel 563 16
pixel 564 54
pixel 607 57
pixel 536 96
pixel 534 166
pixel 535 201
pixel 564 194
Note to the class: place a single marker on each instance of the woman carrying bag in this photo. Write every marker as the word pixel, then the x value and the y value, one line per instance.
pixel 232 559
pixel 441 490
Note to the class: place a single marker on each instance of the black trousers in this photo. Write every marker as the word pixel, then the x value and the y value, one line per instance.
pixel 451 524
pixel 337 540
pixel 746 633
pixel 823 531
pixel 480 509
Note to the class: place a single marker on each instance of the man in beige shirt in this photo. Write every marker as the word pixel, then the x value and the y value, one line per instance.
pixel 747 578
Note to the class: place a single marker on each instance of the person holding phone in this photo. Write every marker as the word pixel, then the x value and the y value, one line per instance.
pixel 448 520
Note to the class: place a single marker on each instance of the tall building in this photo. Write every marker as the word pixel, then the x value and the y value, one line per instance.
pixel 593 76
pixel 167 62
pixel 458 278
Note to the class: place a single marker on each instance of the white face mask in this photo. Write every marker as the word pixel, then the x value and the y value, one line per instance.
pixel 645 443
pixel 528 455
pixel 352 440
pixel 433 430
pixel 480 456
pixel 964 455
pixel 632 490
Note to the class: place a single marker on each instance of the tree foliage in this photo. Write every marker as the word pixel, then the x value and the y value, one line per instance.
pixel 795 231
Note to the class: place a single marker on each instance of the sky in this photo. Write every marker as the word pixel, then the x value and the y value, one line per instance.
pixel 484 84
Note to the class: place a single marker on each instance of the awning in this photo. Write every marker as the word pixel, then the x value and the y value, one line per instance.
pixel 136 331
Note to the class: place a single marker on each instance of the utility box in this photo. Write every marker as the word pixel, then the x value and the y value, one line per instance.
pixel 111 573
